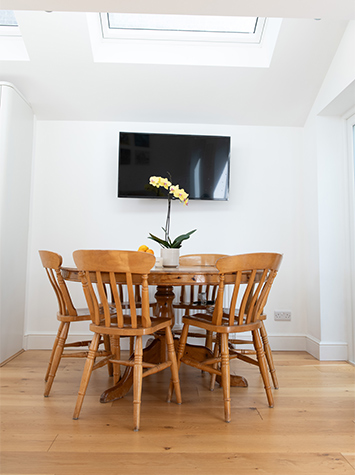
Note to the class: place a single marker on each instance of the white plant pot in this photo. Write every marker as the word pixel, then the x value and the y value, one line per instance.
pixel 170 257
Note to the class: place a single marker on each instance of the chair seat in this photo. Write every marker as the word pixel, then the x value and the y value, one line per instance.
pixel 126 330
pixel 205 321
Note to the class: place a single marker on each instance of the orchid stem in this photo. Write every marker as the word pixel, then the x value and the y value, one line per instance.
pixel 167 224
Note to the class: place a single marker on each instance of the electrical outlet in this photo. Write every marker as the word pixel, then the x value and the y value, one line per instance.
pixel 282 316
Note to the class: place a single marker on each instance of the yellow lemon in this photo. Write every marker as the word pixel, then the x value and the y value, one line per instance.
pixel 150 251
pixel 143 248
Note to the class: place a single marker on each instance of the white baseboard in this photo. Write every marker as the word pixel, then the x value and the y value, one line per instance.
pixel 323 351
pixel 287 342
pixel 326 350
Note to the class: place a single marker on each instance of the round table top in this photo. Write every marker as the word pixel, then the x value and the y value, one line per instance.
pixel 169 276
pixel 182 275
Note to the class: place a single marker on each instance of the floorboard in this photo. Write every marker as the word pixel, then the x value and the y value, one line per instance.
pixel 309 431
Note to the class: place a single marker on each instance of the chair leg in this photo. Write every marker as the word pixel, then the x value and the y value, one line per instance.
pixel 180 352
pixel 107 345
pixel 131 345
pixel 116 351
pixel 55 344
pixel 182 343
pixel 216 352
pixel 225 368
pixel 209 336
pixel 56 358
pixel 137 382
pixel 268 354
pixel 89 363
pixel 174 368
pixel 263 366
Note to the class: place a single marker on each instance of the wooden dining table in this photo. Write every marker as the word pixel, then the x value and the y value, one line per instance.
pixel 165 279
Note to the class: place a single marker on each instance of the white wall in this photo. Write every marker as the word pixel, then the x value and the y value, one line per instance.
pixel 328 289
pixel 75 206
pixel 16 138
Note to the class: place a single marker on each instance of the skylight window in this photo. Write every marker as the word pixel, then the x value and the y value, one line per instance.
pixel 8 23
pixel 7 18
pixel 12 46
pixel 182 27
pixel 190 40
pixel 182 23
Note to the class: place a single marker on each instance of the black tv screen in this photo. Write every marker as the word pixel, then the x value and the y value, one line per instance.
pixel 197 163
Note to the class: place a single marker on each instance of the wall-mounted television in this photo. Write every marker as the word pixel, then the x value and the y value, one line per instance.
pixel 197 163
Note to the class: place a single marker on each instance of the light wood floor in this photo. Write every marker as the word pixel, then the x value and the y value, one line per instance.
pixel 309 431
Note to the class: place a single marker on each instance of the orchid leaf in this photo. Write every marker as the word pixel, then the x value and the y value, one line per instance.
pixel 159 241
pixel 177 241
pixel 176 244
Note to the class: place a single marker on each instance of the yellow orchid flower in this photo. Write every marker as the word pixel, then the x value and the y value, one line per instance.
pixel 155 181
pixel 182 195
pixel 174 189
pixel 164 182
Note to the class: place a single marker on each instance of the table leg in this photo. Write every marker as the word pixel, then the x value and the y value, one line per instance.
pixel 164 297
pixel 164 308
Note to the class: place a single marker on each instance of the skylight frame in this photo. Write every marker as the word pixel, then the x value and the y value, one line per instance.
pixel 186 53
pixel 181 35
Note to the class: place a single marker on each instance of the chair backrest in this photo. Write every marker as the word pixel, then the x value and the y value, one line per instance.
pixel 251 297
pixel 52 262
pixel 102 267
pixel 194 290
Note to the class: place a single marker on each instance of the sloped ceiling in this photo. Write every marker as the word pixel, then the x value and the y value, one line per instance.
pixel 62 82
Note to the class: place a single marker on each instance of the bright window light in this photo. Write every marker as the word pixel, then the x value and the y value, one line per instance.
pixel 7 18
pixel 216 24
pixel 8 24
pixel 12 46
pixel 182 27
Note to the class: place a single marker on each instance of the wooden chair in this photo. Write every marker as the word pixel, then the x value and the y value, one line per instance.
pixel 66 315
pixel 189 294
pixel 189 302
pixel 133 267
pixel 251 298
